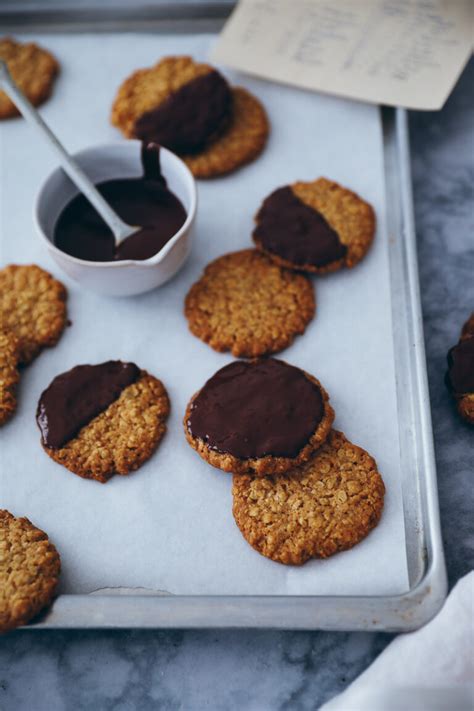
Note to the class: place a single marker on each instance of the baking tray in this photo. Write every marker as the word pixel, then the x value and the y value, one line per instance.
pixel 427 577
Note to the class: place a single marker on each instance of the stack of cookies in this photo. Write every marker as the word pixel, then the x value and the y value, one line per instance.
pixel 301 490
pixel 32 317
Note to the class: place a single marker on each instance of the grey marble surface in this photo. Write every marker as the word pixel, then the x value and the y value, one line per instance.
pixel 257 671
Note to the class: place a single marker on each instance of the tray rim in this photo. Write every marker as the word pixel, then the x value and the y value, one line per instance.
pixel 404 612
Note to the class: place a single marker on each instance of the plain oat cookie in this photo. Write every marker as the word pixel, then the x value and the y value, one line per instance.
pixel 32 307
pixel 32 68
pixel 9 375
pixel 328 505
pixel 29 571
pixel 246 304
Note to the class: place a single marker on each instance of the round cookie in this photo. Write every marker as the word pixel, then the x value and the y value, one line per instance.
pixel 328 505
pixel 9 375
pixel 316 227
pixel 98 425
pixel 189 107
pixel 241 142
pixel 468 328
pixel 32 68
pixel 261 417
pixel 32 307
pixel 29 571
pixel 246 304
pixel 460 376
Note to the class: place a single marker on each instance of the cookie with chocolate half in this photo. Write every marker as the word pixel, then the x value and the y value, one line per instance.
pixel 190 108
pixel 460 375
pixel 261 417
pixel 246 304
pixel 32 68
pixel 32 307
pixel 29 571
pixel 101 420
pixel 316 227
pixel 9 375
pixel 328 505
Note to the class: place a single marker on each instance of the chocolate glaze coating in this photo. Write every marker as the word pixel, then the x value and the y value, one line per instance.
pixel 186 120
pixel 460 375
pixel 257 408
pixel 81 232
pixel 74 398
pixel 296 232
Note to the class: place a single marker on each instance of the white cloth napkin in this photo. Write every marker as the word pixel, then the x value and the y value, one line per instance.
pixel 431 669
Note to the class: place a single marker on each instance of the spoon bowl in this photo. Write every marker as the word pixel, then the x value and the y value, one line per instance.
pixel 120 229
pixel 109 161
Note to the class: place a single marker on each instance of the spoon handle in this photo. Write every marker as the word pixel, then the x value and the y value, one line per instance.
pixel 119 228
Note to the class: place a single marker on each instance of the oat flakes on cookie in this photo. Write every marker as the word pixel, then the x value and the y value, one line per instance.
pixel 190 108
pixel 32 307
pixel 102 420
pixel 261 417
pixel 316 227
pixel 29 571
pixel 9 375
pixel 32 68
pixel 246 304
pixel 328 505
pixel 460 375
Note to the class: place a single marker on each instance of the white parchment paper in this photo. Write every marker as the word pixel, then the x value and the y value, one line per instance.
pixel 169 526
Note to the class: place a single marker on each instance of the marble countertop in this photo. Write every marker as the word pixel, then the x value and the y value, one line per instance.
pixel 256 671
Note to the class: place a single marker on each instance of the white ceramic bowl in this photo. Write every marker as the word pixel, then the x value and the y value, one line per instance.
pixel 105 162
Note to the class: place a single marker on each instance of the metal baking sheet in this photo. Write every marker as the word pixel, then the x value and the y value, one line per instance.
pixel 416 469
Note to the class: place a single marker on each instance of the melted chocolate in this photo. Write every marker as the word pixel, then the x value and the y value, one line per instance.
pixel 254 409
pixel 460 376
pixel 81 232
pixel 74 398
pixel 296 232
pixel 186 120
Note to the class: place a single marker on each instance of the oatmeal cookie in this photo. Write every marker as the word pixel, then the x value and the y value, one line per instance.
pixel 189 108
pixel 32 68
pixel 246 304
pixel 260 417
pixel 29 571
pixel 328 505
pixel 98 421
pixel 316 227
pixel 460 376
pixel 242 141
pixel 32 307
pixel 9 375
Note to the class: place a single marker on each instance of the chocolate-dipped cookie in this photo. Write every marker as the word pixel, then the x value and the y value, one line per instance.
pixel 101 420
pixel 460 376
pixel 328 505
pixel 316 227
pixel 246 304
pixel 190 108
pixel 260 417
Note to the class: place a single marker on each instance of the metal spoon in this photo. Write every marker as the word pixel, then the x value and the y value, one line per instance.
pixel 119 228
